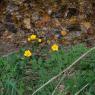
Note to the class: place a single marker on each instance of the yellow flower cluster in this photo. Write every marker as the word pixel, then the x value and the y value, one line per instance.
pixel 33 37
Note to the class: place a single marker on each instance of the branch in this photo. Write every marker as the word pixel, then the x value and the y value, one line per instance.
pixel 77 93
pixel 9 54
pixel 58 84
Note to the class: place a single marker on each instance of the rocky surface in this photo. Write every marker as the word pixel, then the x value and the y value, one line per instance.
pixel 20 18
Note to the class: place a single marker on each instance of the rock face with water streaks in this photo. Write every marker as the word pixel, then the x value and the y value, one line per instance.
pixel 19 18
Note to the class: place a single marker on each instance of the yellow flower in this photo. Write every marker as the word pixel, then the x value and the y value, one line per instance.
pixel 54 47
pixel 32 37
pixel 27 53
pixel 39 40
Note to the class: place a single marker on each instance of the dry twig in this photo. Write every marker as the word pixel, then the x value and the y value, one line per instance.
pixel 65 70
pixel 78 92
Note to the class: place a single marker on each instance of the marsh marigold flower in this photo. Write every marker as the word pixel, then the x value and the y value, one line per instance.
pixel 54 47
pixel 27 53
pixel 33 37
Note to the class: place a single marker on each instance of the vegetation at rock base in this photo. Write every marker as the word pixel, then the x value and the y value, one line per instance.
pixel 22 76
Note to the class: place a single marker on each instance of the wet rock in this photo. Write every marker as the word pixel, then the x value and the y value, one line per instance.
pixel 72 12
pixel 60 12
pixel 35 16
pixel 8 18
pixel 49 11
pixel 1 1
pixel 74 27
pixel 27 23
pixel 18 2
pixel 11 27
pixel 2 29
pixel 11 7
